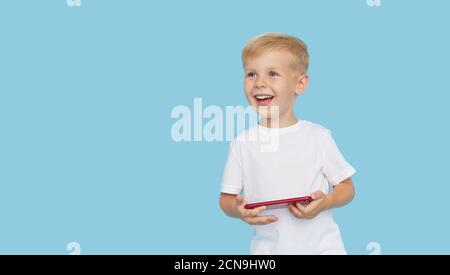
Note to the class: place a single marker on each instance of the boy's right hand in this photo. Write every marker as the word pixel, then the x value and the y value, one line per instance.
pixel 250 216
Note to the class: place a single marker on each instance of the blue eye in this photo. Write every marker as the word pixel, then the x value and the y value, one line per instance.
pixel 272 73
pixel 251 74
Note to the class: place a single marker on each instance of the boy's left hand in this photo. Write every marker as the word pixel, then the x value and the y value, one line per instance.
pixel 312 209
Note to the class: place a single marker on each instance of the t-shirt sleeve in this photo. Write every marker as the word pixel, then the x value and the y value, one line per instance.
pixel 232 181
pixel 335 167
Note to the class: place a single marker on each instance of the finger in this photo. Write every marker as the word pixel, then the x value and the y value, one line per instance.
pixel 302 208
pixel 256 211
pixel 311 206
pixel 317 195
pixel 261 220
pixel 306 212
pixel 314 205
pixel 294 210
pixel 305 203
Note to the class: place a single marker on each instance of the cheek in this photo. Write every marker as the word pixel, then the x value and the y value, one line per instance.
pixel 247 86
pixel 284 96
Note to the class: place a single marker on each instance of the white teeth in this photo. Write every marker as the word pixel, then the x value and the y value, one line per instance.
pixel 263 96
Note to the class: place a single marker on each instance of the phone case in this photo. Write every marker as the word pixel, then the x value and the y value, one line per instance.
pixel 279 203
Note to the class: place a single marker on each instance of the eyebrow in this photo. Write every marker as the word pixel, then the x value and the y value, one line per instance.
pixel 269 69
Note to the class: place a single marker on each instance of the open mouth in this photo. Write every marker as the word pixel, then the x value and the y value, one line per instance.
pixel 263 100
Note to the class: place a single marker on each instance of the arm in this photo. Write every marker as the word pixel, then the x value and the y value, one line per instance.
pixel 233 206
pixel 342 194
pixel 227 203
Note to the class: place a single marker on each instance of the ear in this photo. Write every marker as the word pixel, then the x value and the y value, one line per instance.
pixel 302 83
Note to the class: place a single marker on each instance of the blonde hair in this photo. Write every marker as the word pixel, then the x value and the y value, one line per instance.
pixel 271 41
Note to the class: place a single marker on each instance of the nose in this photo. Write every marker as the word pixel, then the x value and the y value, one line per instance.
pixel 260 82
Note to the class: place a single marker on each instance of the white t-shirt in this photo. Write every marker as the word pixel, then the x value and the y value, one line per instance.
pixel 278 163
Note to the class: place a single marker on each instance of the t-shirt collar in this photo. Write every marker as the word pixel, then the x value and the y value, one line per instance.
pixel 283 130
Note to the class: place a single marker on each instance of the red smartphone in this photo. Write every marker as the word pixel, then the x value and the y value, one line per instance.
pixel 279 203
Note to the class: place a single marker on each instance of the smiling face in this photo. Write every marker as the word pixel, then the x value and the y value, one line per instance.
pixel 271 80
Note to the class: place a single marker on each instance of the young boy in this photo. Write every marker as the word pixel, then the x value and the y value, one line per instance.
pixel 306 160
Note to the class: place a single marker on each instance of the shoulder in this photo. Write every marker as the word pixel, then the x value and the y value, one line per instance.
pixel 241 140
pixel 316 129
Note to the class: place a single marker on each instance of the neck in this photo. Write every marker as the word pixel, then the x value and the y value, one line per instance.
pixel 280 122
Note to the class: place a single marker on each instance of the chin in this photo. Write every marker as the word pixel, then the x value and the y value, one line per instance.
pixel 267 112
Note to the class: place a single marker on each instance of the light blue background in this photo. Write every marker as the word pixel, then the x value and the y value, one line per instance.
pixel 86 93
